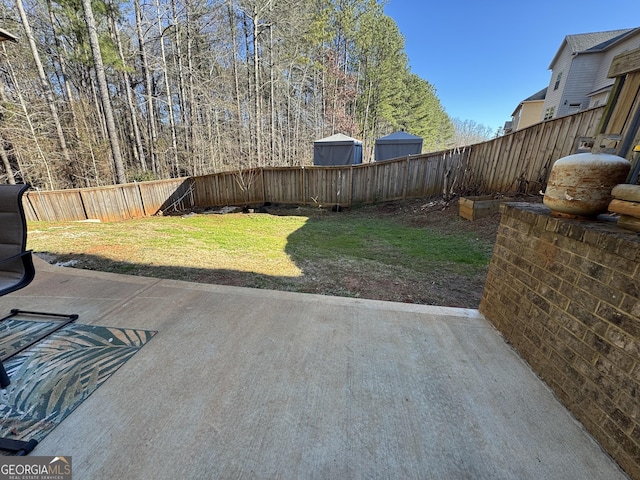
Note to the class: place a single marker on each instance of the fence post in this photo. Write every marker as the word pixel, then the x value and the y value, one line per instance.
pixel 406 178
pixel 350 198
pixel 302 180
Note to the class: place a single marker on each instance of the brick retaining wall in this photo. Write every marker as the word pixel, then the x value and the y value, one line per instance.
pixel 566 295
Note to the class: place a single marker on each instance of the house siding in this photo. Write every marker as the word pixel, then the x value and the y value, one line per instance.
pixel 627 44
pixel 530 114
pixel 579 83
pixel 515 118
pixel 562 64
pixel 599 99
pixel 583 72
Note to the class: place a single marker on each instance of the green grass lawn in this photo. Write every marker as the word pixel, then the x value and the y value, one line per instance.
pixel 352 254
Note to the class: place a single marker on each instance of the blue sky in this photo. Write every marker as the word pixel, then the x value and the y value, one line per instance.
pixel 483 58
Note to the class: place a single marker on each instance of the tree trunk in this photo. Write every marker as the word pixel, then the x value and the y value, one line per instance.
pixel 11 180
pixel 172 120
pixel 139 149
pixel 250 110
pixel 146 74
pixel 236 79
pixel 32 129
pixel 192 116
pixel 272 97
pixel 182 97
pixel 256 85
pixel 3 153
pixel 103 87
pixel 46 87
pixel 63 69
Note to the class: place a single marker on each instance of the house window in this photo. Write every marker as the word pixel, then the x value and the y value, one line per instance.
pixel 548 113
pixel 558 78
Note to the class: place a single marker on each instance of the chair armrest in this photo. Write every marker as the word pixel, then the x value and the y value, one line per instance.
pixel 16 257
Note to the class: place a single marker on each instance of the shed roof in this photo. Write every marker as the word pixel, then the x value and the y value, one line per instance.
pixel 338 138
pixel 399 137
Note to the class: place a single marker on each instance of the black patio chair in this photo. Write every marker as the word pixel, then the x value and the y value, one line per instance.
pixel 16 272
pixel 16 264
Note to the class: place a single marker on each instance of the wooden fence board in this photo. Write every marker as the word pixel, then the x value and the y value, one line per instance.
pixel 514 166
pixel 132 201
pixel 363 183
pixel 210 191
pixel 544 155
pixel 531 168
pixel 501 153
pixel 247 186
pixel 107 204
pixel 520 161
pixel 327 186
pixel 390 179
pixel 175 194
pixel 284 185
pixel 477 166
pixel 59 205
pixel 229 188
pixel 29 212
pixel 622 107
pixel 417 177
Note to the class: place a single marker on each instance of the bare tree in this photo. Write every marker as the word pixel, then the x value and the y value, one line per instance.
pixel 197 86
pixel 137 137
pixel 32 129
pixel 46 87
pixel 150 109
pixel 169 96
pixel 468 132
pixel 104 92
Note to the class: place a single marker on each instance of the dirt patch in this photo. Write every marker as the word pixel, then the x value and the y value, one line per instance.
pixel 442 287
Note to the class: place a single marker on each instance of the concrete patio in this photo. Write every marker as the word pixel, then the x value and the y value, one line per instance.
pixel 245 383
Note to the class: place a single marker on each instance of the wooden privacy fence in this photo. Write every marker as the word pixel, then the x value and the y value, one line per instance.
pixel 522 160
pixel 518 162
pixel 112 203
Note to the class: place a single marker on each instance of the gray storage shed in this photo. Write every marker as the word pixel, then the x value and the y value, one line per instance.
pixel 398 144
pixel 337 149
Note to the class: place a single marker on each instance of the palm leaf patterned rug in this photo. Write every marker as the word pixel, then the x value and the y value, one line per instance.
pixel 51 378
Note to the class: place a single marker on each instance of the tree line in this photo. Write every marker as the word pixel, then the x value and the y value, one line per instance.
pixel 97 92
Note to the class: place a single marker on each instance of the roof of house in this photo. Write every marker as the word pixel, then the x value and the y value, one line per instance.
pixel 593 42
pixel 597 91
pixel 607 43
pixel 541 95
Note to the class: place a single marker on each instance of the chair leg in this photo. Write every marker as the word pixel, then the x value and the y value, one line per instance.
pixel 19 448
pixel 4 378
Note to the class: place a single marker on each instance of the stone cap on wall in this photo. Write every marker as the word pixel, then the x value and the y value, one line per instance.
pixel 603 233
